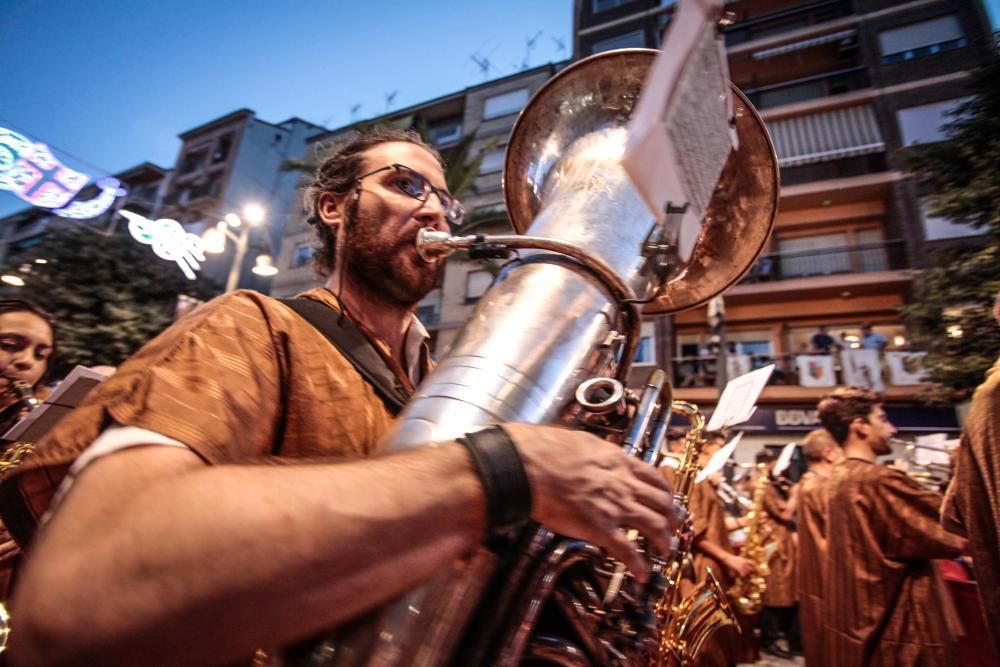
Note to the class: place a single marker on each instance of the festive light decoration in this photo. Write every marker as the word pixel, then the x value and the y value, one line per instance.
pixel 168 240
pixel 30 171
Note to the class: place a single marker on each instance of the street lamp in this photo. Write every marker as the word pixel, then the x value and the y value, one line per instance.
pixel 214 241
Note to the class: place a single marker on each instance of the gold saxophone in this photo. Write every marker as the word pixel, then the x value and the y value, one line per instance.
pixel 24 402
pixel 687 624
pixel 747 593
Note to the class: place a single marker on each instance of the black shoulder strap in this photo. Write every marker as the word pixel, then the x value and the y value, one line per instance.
pixel 353 344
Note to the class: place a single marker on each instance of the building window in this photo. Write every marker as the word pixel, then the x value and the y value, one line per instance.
pixel 822 254
pixel 923 124
pixel 921 39
pixel 447 132
pixel 476 284
pixel 492 162
pixel 302 255
pixel 938 227
pixel 505 103
pixel 192 161
pixel 222 147
pixel 645 354
pixel 605 5
pixel 627 41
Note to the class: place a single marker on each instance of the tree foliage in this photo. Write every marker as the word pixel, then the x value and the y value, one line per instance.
pixel 950 316
pixel 108 294
pixel 961 176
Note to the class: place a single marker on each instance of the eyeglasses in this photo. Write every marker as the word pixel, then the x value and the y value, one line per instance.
pixel 414 184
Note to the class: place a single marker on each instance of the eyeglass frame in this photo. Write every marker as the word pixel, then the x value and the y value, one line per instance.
pixel 442 195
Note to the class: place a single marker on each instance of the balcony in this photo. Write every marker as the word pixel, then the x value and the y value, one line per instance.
pixel 859 258
pixel 893 371
pixel 778 22
pixel 810 88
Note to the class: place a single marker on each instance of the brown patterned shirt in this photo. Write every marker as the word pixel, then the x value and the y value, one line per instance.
pixel 884 601
pixel 782 587
pixel 812 515
pixel 973 499
pixel 243 378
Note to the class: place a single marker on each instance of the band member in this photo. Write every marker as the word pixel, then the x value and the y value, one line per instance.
pixel 711 550
pixel 27 342
pixel 182 541
pixel 822 452
pixel 972 505
pixel 883 599
pixel 779 616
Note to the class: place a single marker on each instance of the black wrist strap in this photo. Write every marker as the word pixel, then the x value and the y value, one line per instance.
pixel 505 483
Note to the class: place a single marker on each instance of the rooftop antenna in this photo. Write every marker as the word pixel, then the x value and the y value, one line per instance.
pixel 529 46
pixel 560 44
pixel 390 98
pixel 484 64
pixel 355 108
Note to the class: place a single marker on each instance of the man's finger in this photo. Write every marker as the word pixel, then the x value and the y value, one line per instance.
pixel 624 550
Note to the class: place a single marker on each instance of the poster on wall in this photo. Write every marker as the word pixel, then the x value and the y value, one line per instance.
pixel 862 368
pixel 906 368
pixel 815 370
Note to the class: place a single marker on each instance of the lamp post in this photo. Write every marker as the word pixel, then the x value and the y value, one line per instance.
pixel 214 241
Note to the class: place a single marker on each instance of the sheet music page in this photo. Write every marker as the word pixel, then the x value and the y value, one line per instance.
pixel 679 135
pixel 718 460
pixel 63 400
pixel 739 399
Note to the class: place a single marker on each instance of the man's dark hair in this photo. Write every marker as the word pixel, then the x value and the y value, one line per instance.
pixel 765 456
pixel 22 306
pixel 838 409
pixel 336 174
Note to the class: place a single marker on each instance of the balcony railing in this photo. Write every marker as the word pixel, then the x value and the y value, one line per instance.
pixel 810 88
pixel 860 258
pixel 896 367
pixel 775 23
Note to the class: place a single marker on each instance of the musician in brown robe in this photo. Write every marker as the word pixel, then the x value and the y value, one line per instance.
pixel 780 615
pixel 972 504
pixel 884 601
pixel 222 492
pixel 27 342
pixel 821 452
pixel 712 550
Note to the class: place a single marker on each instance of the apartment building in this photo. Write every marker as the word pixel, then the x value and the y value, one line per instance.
pixel 842 86
pixel 487 112
pixel 227 163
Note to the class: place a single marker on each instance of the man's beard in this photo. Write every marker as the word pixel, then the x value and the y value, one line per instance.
pixel 372 254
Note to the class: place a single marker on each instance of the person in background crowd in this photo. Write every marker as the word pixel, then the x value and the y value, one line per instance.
pixel 780 614
pixel 872 340
pixel 884 603
pixel 972 504
pixel 821 341
pixel 821 452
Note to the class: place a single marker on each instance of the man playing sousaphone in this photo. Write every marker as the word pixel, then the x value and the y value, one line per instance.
pixel 218 495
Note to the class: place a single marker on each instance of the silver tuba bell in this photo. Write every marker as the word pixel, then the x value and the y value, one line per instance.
pixel 555 318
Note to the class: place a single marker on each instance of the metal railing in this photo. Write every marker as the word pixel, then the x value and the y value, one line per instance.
pixel 783 20
pixel 859 258
pixel 810 87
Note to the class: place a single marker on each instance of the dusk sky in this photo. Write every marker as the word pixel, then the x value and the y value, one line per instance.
pixel 111 84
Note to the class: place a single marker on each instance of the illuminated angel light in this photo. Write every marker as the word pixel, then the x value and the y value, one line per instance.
pixel 30 170
pixel 168 240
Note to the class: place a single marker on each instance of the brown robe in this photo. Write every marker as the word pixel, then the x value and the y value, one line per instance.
pixel 972 505
pixel 782 586
pixel 726 646
pixel 812 515
pixel 884 602
pixel 242 379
